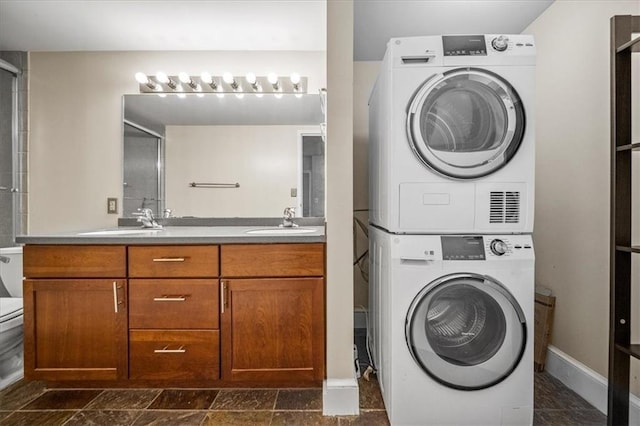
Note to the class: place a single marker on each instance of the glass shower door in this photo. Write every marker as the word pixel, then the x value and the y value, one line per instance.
pixel 8 129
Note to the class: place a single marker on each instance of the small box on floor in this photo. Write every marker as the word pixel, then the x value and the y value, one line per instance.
pixel 543 320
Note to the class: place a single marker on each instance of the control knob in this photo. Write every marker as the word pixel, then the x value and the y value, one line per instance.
pixel 500 43
pixel 498 247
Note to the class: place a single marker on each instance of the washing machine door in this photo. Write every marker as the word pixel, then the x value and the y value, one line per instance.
pixel 466 331
pixel 465 123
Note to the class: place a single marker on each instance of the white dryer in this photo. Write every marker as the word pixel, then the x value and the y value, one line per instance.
pixel 451 135
pixel 451 327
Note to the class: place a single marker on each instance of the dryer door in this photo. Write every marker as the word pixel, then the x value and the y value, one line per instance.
pixel 465 123
pixel 466 331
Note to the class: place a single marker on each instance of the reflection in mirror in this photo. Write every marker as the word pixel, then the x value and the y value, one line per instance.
pixel 267 152
pixel 142 174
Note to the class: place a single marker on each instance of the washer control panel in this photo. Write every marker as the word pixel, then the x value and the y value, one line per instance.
pixel 485 247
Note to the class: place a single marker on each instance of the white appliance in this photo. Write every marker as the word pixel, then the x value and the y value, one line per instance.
pixel 451 135
pixel 451 327
pixel 11 317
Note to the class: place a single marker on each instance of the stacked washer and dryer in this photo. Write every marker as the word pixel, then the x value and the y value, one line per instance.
pixel 451 202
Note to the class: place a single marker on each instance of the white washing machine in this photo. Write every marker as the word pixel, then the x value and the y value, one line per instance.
pixel 451 135
pixel 451 327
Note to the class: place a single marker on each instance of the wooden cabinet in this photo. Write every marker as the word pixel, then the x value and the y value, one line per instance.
pixel 174 322
pixel 272 318
pixel 249 314
pixel 75 315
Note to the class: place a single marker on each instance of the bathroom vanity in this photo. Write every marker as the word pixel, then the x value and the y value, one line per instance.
pixel 185 306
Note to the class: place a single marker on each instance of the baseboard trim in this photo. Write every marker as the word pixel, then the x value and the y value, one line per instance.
pixel 585 382
pixel 340 397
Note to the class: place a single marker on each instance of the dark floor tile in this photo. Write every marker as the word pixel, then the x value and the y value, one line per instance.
pixel 253 417
pixel 569 417
pixel 370 395
pixel 63 399
pixel 307 418
pixel 20 393
pixel 184 399
pixel 170 418
pixel 124 399
pixel 550 393
pixel 366 418
pixel 245 399
pixel 299 399
pixel 103 418
pixel 31 418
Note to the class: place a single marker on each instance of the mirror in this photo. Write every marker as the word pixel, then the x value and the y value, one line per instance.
pixel 225 156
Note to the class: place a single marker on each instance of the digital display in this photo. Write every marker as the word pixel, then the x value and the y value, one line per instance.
pixel 464 45
pixel 462 248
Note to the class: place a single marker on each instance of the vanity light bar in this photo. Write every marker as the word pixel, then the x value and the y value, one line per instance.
pixel 220 85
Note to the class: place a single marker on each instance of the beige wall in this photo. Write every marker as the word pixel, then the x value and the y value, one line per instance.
pixel 365 74
pixel 339 189
pixel 572 171
pixel 262 159
pixel 75 120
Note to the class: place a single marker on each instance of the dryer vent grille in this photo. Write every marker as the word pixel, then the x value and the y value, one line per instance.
pixel 504 207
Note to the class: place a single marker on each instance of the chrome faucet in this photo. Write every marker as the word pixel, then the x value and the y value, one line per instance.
pixel 289 214
pixel 145 216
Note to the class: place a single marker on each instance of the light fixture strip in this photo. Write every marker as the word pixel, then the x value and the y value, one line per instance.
pixel 220 86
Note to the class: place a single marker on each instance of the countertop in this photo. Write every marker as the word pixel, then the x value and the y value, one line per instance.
pixel 183 235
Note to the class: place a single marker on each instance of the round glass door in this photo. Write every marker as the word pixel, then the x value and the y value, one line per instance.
pixel 466 331
pixel 465 123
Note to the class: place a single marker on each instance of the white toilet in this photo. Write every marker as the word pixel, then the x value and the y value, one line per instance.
pixel 11 317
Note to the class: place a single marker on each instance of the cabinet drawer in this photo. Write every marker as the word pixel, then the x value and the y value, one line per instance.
pixel 272 260
pixel 174 354
pixel 74 261
pixel 173 303
pixel 173 261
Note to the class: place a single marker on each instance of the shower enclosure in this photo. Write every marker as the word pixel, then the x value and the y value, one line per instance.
pixel 10 166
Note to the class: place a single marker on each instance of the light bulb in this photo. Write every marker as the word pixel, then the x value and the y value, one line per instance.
pixel 220 95
pixel 239 95
pixel 162 95
pixel 142 78
pixel 206 77
pixel 295 78
pixel 184 77
pixel 259 95
pixel 200 95
pixel 273 78
pixel 251 78
pixel 162 77
pixel 298 95
pixel 228 78
pixel 278 95
pixel 182 95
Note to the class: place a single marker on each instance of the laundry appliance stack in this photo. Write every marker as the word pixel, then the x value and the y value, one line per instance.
pixel 451 202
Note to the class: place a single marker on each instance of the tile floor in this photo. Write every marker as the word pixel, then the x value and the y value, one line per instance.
pixel 31 403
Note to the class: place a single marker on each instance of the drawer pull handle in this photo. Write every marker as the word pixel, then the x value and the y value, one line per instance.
pixel 166 350
pixel 169 259
pixel 170 299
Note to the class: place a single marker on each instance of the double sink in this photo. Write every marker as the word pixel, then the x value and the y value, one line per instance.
pixel 153 231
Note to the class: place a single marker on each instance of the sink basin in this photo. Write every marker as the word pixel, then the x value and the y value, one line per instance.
pixel 117 232
pixel 280 231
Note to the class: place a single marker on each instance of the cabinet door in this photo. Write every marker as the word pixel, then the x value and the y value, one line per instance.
pixel 273 329
pixel 75 329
